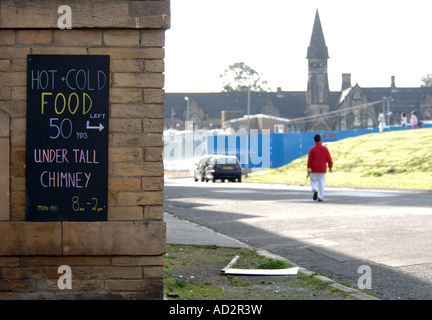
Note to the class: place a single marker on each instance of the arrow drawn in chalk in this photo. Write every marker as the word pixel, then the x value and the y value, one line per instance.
pixel 100 127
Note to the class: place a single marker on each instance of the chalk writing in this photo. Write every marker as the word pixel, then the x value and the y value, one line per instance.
pixel 55 179
pixel 71 104
pixel 67 138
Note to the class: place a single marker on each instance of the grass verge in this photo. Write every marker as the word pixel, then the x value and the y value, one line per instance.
pixel 194 273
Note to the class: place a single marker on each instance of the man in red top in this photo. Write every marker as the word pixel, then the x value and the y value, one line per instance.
pixel 318 158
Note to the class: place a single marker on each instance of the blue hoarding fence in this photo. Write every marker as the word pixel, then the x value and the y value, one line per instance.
pixel 273 150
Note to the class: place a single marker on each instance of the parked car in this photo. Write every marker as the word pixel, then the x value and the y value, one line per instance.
pixel 220 167
pixel 199 172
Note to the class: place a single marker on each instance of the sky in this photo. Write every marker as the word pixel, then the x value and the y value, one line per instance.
pixel 372 40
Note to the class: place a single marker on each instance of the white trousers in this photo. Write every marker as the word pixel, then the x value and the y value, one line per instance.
pixel 318 183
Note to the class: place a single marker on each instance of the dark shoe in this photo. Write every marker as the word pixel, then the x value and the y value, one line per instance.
pixel 320 200
pixel 315 196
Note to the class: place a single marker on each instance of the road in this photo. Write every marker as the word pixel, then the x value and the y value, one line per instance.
pixel 390 232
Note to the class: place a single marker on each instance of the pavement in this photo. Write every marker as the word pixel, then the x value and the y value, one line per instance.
pixel 181 231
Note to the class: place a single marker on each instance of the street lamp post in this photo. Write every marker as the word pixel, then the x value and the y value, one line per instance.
pixel 388 111
pixel 172 118
pixel 345 114
pixel 187 111
pixel 248 129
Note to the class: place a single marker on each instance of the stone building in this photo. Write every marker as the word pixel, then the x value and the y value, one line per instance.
pixel 315 109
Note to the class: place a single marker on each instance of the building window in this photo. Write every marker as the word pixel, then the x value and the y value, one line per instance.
pixel 356 96
pixel 278 128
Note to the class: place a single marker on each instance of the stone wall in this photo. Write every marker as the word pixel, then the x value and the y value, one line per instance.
pixel 123 256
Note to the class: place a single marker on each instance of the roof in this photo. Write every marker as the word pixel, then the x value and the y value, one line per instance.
pixel 259 116
pixel 403 99
pixel 291 104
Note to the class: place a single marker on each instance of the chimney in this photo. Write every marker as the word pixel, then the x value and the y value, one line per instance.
pixel 346 81
pixel 393 83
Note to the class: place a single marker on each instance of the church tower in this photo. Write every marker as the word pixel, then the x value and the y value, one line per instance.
pixel 318 93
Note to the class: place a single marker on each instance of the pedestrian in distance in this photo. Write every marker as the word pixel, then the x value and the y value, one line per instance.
pixel 318 159
pixel 381 121
pixel 414 120
pixel 419 123
pixel 404 121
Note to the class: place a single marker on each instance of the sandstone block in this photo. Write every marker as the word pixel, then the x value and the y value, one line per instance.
pixel 30 238
pixel 114 238
pixel 34 37
pixel 122 38
pixel 147 198
pixel 139 80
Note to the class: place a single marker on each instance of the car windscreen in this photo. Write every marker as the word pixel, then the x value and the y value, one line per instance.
pixel 226 161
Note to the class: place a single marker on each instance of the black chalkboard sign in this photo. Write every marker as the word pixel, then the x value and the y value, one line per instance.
pixel 67 137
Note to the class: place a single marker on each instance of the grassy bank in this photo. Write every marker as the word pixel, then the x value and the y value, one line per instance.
pixel 396 159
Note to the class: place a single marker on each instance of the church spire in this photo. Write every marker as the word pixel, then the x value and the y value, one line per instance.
pixel 318 93
pixel 317 47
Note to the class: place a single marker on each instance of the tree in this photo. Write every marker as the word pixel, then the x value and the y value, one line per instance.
pixel 239 76
pixel 427 80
